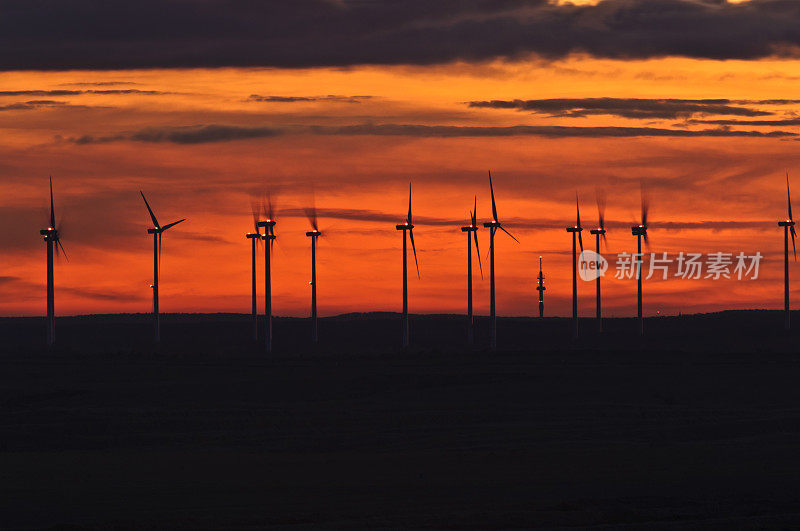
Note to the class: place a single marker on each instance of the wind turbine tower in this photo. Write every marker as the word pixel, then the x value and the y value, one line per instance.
pixel 599 232
pixel 472 233
pixel 493 225
pixel 788 228
pixel 575 230
pixel 540 288
pixel 640 231
pixel 269 238
pixel 53 240
pixel 314 234
pixel 157 231
pixel 407 227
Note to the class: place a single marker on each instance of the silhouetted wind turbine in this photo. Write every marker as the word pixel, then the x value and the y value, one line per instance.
pixel 788 227
pixel 269 236
pixel 493 225
pixel 156 231
pixel 407 227
pixel 472 233
pixel 540 288
pixel 640 231
pixel 576 229
pixel 599 232
pixel 314 233
pixel 254 237
pixel 53 240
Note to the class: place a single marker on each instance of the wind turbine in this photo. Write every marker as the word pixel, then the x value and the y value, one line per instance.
pixel 598 233
pixel 268 236
pixel 53 240
pixel 540 288
pixel 493 225
pixel 314 233
pixel 156 231
pixel 472 233
pixel 640 231
pixel 576 229
pixel 254 237
pixel 788 227
pixel 407 227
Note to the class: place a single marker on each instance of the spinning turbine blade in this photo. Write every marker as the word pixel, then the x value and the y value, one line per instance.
pixel 61 246
pixel 411 235
pixel 478 252
pixel 491 190
pixel 53 210
pixel 408 219
pixel 789 208
pixel 152 216
pixel 165 227
pixel 504 230
pixel 578 219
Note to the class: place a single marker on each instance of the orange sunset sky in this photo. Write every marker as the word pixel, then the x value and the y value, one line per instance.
pixel 205 140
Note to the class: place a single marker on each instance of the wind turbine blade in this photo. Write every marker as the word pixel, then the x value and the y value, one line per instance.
pixel 504 230
pixel 413 247
pixel 794 235
pixel 645 207
pixel 478 252
pixel 601 209
pixel 61 246
pixel 255 208
pixel 475 212
pixel 409 204
pixel 788 197
pixel 152 216
pixel 578 219
pixel 52 207
pixel 491 190
pixel 167 226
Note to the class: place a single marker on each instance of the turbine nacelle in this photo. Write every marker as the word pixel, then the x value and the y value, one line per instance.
pixel 787 223
pixel 469 228
pixel 597 231
pixel 492 224
pixel 314 233
pixel 574 229
pixel 253 235
pixel 404 226
pixel 639 230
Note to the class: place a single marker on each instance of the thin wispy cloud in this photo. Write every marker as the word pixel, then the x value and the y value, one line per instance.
pixel 226 133
pixel 637 108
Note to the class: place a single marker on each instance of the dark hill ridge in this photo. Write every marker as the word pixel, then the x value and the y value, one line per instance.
pixel 351 334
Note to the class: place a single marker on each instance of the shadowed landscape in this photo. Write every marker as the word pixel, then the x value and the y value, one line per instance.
pixel 691 427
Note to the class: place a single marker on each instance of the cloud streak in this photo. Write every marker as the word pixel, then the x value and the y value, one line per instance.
pixel 330 98
pixel 636 108
pixel 202 134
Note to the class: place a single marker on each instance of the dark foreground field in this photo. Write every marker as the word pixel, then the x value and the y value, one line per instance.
pixel 696 427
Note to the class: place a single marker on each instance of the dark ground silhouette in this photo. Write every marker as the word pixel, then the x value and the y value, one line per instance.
pixel 696 426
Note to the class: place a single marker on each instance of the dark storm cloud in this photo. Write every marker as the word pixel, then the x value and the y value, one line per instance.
pixel 300 99
pixel 624 107
pixel 92 34
pixel 225 133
